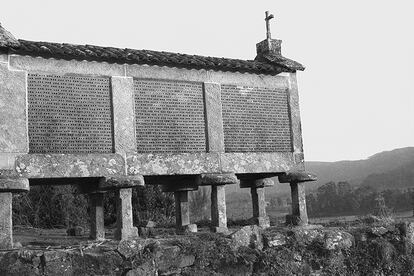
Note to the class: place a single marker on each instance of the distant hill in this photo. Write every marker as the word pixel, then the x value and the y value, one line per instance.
pixel 386 169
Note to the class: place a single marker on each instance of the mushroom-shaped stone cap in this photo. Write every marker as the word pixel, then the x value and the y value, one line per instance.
pixel 297 176
pixel 112 183
pixel 14 185
pixel 217 179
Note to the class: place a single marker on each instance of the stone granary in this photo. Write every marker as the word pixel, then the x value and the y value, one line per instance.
pixel 105 118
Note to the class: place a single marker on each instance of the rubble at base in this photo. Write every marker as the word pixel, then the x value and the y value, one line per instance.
pixel 373 249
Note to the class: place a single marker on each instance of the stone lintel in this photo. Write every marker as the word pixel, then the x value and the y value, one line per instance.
pixel 297 176
pixel 125 228
pixel 14 185
pixel 6 224
pixel 244 163
pixel 70 165
pixel 172 164
pixel 124 114
pixel 217 179
pixel 213 117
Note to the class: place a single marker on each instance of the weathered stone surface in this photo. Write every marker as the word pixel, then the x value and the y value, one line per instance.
pixel 256 162
pixel 296 127
pixel 170 164
pixel 124 114
pixel 130 248
pixel 259 207
pixel 170 258
pixel 182 211
pixel 13 119
pixel 407 231
pixel 124 220
pixel 123 182
pixel 70 165
pixel 217 179
pixel 214 119
pixel 218 208
pixel 7 160
pixel 6 226
pixel 334 240
pixel 297 176
pixel 14 185
pixel 274 239
pixel 299 212
pixel 97 227
pixel 146 269
pixel 189 228
pixel 249 236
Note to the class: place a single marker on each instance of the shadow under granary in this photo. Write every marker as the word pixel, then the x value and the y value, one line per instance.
pixel 106 118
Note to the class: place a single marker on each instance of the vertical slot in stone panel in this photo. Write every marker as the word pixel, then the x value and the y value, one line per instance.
pixel 255 119
pixel 169 116
pixel 69 114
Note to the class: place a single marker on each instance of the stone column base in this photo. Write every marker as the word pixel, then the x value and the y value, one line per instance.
pixel 263 222
pixel 189 228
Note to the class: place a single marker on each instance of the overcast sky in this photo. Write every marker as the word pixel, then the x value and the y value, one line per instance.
pixel 356 94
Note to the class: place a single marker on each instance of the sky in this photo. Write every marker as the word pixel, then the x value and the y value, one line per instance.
pixel 356 94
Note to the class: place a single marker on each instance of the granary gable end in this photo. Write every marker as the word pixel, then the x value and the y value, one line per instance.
pixel 105 118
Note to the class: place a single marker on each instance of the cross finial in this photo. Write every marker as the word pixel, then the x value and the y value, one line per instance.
pixel 267 19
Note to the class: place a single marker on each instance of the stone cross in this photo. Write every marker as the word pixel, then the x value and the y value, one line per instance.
pixel 267 19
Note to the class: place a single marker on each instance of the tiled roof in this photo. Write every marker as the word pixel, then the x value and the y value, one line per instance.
pixel 131 56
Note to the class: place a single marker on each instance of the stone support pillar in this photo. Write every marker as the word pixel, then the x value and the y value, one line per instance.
pixel 299 213
pixel 257 191
pixel 182 210
pixel 218 208
pixel 299 216
pixel 124 221
pixel 97 231
pixel 180 186
pixel 6 226
pixel 217 181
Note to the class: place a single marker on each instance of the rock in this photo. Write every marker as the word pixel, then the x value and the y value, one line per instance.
pixel 336 239
pixel 76 231
pixel 150 224
pixel 146 269
pixel 129 248
pixel 407 231
pixel 378 231
pixel 189 228
pixel 249 236
pixel 306 235
pixel 170 258
pixel 274 239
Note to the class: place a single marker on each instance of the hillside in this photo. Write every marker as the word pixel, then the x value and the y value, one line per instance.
pixel 385 169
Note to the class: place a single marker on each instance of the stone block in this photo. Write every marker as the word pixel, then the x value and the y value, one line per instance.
pixel 218 207
pixel 214 119
pixel 248 236
pixel 123 182
pixel 274 239
pixel 297 176
pixel 189 228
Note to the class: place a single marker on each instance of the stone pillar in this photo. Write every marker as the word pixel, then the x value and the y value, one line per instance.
pixel 6 226
pixel 217 181
pixel 257 191
pixel 97 231
pixel 218 209
pixel 124 222
pixel 182 213
pixel 299 216
pixel 299 213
